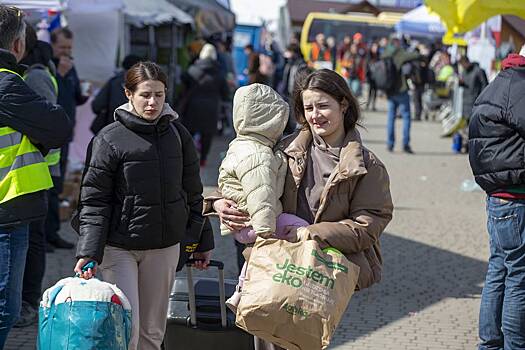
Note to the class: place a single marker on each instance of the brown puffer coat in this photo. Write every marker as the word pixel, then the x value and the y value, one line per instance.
pixel 355 205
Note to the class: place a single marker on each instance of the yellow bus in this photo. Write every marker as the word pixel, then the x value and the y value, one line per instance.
pixel 339 25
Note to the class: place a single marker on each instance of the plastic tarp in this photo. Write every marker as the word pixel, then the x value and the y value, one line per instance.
pixel 419 22
pixel 461 16
pixel 210 17
pixel 96 37
pixel 35 4
pixel 141 12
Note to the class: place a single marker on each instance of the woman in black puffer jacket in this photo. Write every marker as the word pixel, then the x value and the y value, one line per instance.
pixel 140 188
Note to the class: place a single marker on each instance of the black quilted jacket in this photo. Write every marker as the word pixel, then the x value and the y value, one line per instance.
pixel 497 132
pixel 139 187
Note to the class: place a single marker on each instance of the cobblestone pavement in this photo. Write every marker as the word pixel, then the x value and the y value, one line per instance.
pixel 435 251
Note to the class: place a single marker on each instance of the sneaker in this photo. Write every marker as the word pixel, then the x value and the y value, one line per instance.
pixel 390 148
pixel 28 316
pixel 408 150
pixel 233 301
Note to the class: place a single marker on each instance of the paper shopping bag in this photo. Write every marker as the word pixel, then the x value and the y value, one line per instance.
pixel 295 294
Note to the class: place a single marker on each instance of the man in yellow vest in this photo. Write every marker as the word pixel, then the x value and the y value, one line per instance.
pixel 29 127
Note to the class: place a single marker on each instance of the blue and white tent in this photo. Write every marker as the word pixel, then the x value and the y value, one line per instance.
pixel 420 23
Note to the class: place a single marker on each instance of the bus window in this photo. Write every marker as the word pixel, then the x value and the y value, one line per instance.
pixel 340 25
pixel 339 29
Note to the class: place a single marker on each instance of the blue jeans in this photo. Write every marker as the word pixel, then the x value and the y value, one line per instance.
pixel 402 101
pixel 13 250
pixel 502 310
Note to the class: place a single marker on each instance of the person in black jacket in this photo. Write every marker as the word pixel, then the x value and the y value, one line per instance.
pixel 496 154
pixel 473 80
pixel 205 87
pixel 47 126
pixel 111 96
pixel 69 97
pixel 139 190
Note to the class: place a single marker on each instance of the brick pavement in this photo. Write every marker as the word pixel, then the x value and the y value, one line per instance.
pixel 435 252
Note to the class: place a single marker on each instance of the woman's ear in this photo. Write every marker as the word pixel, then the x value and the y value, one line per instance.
pixel 128 93
pixel 344 106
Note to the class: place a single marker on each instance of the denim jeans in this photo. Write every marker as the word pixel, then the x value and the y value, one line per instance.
pixel 13 249
pixel 502 310
pixel 402 101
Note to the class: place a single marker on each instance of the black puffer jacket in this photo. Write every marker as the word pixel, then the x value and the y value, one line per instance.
pixel 497 132
pixel 46 124
pixel 139 187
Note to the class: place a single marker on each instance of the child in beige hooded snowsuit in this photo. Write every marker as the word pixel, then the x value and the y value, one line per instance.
pixel 253 175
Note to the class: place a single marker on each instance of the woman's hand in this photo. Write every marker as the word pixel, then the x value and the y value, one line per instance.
pixel 229 215
pixel 90 273
pixel 205 256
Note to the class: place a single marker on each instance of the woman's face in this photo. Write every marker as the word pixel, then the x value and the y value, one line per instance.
pixel 324 115
pixel 148 99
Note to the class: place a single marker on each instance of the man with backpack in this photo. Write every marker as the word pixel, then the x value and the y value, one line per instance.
pixel 390 75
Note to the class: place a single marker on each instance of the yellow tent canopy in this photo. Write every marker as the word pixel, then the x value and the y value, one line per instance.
pixel 461 16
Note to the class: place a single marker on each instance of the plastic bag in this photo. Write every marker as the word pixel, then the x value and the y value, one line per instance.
pixel 84 315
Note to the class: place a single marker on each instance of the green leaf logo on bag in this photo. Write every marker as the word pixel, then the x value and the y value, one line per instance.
pixel 288 277
pixel 329 264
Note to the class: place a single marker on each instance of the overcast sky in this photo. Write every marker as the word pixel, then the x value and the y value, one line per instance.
pixel 252 11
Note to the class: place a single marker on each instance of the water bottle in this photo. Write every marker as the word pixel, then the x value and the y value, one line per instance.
pixel 457 142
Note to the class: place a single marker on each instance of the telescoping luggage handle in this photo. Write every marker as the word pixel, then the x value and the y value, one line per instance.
pixel 191 291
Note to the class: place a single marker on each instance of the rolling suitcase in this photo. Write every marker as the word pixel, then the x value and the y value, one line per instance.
pixel 197 315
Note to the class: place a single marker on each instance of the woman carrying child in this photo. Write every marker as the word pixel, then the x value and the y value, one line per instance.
pixel 332 181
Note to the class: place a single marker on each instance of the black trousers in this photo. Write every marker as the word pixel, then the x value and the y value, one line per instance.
pixel 35 264
pixel 206 139
pixel 418 106
pixel 52 224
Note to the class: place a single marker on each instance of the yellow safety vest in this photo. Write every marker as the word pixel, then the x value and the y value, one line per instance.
pixel 23 169
pixel 53 157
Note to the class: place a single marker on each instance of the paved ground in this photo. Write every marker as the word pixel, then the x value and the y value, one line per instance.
pixel 435 252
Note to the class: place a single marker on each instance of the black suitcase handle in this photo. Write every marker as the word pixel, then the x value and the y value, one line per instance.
pixel 214 263
pixel 191 291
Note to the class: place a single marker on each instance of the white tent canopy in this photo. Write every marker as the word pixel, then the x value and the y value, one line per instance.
pixel 35 4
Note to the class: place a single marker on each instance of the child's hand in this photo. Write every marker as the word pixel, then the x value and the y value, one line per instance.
pixel 296 234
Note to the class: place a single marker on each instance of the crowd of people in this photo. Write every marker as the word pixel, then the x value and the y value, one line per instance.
pixel 141 183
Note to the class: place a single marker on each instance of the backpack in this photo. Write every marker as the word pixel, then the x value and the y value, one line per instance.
pixel 384 74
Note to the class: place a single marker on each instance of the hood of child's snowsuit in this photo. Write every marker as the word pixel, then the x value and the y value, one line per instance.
pixel 260 113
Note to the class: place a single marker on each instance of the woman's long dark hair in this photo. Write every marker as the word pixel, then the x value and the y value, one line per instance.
pixel 331 83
